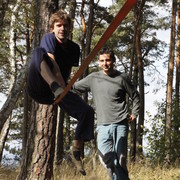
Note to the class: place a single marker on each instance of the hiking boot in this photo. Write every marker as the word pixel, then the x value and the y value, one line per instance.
pixel 76 159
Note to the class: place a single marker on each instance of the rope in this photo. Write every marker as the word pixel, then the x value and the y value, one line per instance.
pixel 111 28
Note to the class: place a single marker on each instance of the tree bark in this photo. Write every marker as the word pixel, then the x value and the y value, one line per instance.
pixel 177 86
pixel 133 130
pixel 72 14
pixel 27 102
pixel 141 91
pixel 170 84
pixel 3 136
pixel 60 138
pixel 68 133
pixel 43 155
pixel 25 124
pixel 13 96
pixel 140 64
pixel 29 145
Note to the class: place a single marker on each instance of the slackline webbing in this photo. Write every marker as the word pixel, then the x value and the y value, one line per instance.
pixel 111 28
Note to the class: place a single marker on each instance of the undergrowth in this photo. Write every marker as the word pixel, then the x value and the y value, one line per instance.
pixel 137 171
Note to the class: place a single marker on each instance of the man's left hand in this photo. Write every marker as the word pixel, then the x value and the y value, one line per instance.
pixel 132 118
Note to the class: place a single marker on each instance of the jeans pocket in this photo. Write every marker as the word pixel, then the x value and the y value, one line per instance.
pixel 98 128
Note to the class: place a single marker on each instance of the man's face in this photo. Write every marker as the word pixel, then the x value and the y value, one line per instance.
pixel 61 30
pixel 106 63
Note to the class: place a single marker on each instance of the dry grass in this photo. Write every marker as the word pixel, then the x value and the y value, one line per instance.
pixel 8 174
pixel 145 172
pixel 138 171
pixel 68 172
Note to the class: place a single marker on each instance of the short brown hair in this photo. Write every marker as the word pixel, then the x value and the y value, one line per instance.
pixel 59 15
pixel 106 50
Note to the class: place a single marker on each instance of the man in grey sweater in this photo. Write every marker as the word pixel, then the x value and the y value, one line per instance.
pixel 109 88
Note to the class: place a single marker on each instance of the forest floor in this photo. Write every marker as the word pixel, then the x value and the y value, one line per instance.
pixel 138 171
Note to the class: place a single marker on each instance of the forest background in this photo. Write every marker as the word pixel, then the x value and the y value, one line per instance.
pixel 151 61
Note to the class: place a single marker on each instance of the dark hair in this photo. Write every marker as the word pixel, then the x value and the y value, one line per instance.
pixel 106 50
pixel 59 15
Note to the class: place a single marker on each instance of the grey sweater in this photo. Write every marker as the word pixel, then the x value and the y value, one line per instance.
pixel 109 95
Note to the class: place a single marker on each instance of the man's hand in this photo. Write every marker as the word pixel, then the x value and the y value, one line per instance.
pixel 58 92
pixel 132 118
pixel 56 89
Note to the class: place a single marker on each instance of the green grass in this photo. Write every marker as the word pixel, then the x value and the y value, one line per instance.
pixel 138 171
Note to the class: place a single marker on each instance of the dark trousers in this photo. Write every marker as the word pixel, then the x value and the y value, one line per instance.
pixel 80 110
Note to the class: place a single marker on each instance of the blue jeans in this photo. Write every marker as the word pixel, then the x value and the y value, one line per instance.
pixel 112 148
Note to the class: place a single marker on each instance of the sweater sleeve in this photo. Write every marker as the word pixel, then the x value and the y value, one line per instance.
pixel 82 85
pixel 133 94
pixel 48 42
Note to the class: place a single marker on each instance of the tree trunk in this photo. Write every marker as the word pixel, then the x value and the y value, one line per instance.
pixel 43 155
pixel 177 90
pixel 3 136
pixel 132 63
pixel 141 91
pixel 89 33
pixel 139 140
pixel 68 134
pixel 94 155
pixel 13 96
pixel 27 102
pixel 29 145
pixel 170 84
pixel 72 14
pixel 26 124
pixel 60 138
